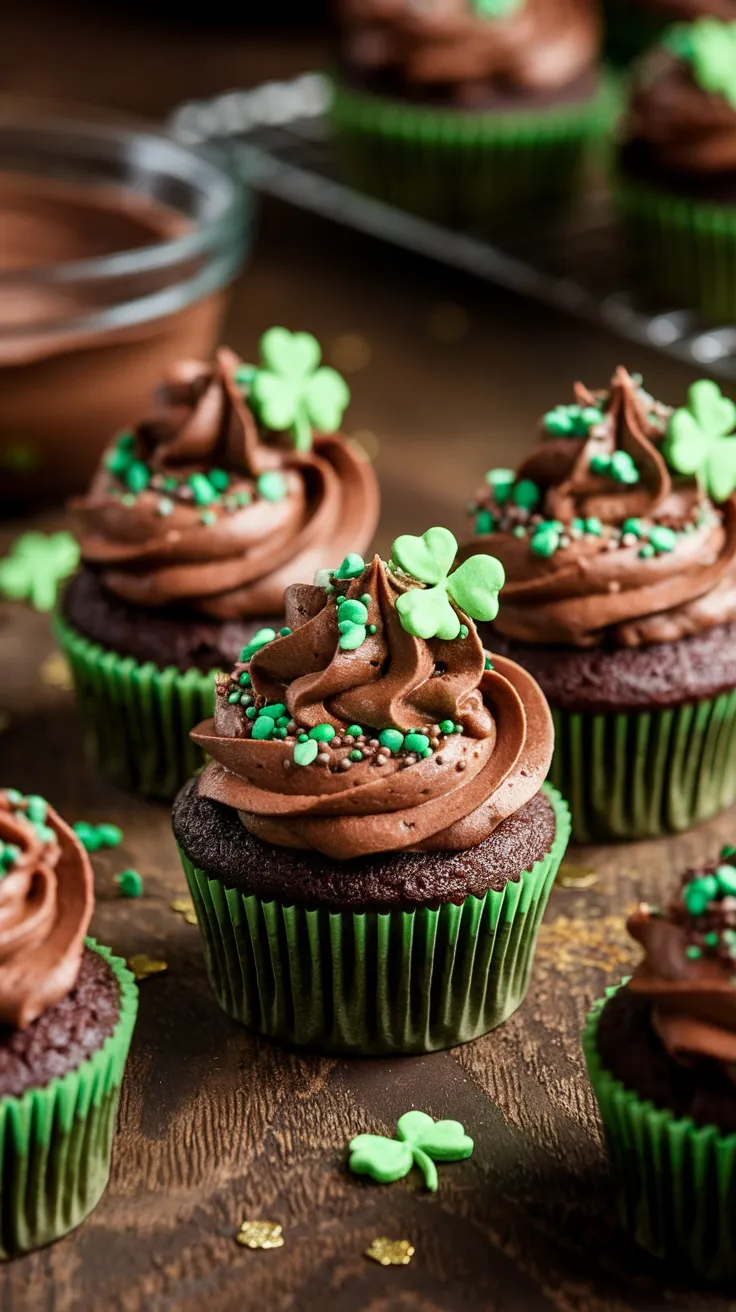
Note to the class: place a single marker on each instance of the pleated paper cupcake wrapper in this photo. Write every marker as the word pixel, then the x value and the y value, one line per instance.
pixel 374 983
pixel 675 1181
pixel 55 1142
pixel 137 716
pixel 643 774
pixel 685 249
pixel 460 167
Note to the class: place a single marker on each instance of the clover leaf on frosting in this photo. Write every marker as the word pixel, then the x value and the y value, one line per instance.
pixel 421 1141
pixel 474 586
pixel 292 390
pixel 700 439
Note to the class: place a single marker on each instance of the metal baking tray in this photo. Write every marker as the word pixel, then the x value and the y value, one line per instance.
pixel 277 137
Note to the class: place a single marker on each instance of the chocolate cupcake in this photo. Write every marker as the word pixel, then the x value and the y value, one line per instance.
pixel 194 524
pixel 661 1054
pixel 371 847
pixel 618 537
pixel 67 1010
pixel 632 25
pixel 676 182
pixel 468 110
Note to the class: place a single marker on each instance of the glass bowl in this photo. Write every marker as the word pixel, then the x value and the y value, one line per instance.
pixel 119 245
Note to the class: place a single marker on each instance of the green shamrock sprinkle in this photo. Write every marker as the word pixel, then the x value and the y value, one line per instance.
pixel 474 586
pixel 501 481
pixel 291 390
pixel 258 640
pixel 700 439
pixel 35 567
pixel 306 753
pixel 525 494
pixel 271 485
pixel 420 1141
pixel 130 883
pixel 351 567
pixel 391 739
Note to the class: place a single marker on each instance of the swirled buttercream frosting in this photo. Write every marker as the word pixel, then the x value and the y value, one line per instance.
pixel 235 486
pixel 620 527
pixel 496 46
pixel 689 965
pixel 375 721
pixel 46 897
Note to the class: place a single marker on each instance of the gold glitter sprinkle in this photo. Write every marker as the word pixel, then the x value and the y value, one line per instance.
pixel 190 918
pixel 142 966
pixel 571 942
pixel 182 905
pixel 350 353
pixel 448 322
pixel 260 1234
pixel 390 1252
pixel 365 442
pixel 569 876
pixel 55 672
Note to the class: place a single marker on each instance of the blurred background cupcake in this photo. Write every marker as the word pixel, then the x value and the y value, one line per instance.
pixel 468 110
pixel 661 1054
pixel 677 168
pixel 618 537
pixel 632 25
pixel 193 525
pixel 371 847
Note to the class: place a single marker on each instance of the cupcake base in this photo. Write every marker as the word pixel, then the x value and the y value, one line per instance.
pixel 56 1140
pixel 367 982
pixel 676 1182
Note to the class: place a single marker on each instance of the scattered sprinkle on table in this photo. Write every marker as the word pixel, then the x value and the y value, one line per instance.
pixel 183 906
pixel 142 966
pixel 260 1234
pixel 390 1252
pixel 576 877
pixel 55 672
pixel 93 837
pixel 130 883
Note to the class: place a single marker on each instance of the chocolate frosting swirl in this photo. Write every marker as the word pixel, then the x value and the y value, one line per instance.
pixel 599 582
pixel 46 898
pixel 673 127
pixel 489 732
pixel 234 556
pixel 688 968
pixel 538 46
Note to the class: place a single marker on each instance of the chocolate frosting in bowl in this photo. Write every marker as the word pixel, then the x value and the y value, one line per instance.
pixel 601 538
pixel 688 968
pixel 535 46
pixel 398 743
pixel 46 898
pixel 199 506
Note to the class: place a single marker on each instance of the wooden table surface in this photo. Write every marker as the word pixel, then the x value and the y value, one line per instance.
pixel 216 1124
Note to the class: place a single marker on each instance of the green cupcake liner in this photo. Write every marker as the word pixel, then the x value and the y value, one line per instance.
pixel 684 249
pixel 675 1182
pixel 55 1142
pixel 137 716
pixel 457 167
pixel 643 774
pixel 375 983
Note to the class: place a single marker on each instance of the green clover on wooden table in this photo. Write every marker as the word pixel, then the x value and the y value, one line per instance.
pixel 711 51
pixel 293 391
pixel 36 565
pixel 421 1142
pixel 474 586
pixel 700 439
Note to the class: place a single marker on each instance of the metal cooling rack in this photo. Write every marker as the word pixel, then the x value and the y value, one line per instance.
pixel 277 137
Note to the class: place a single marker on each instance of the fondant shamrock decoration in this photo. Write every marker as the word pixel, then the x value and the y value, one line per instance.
pixel 293 391
pixel 712 53
pixel 420 1142
pixel 474 586
pixel 36 566
pixel 495 8
pixel 700 439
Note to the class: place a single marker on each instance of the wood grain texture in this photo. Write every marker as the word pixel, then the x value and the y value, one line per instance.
pixel 216 1124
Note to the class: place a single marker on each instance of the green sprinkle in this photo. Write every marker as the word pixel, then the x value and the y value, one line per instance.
pixel 447 726
pixel 593 525
pixel 484 522
pixel 726 876
pixel 170 484
pixel 711 939
pixel 303 737
pixel 488 663
pixel 305 751
pixel 727 852
pixel 284 633
pixel 208 517
pixel 246 699
pixel 202 490
pixel 127 499
pixel 354 611
pixel 137 477
pixel 693 952
pixel 502 481
pixel 165 506
pixel 283 722
pixel 36 809
pixel 274 709
pixel 263 727
pixel 546 540
pixel 280 731
pixel 634 527
pixel 427 753
pixel 370 628
pixel 243 498
pixel 464 631
pixel 519 531
pixel 251 712
pixel 87 835
pixel 459 728
pixel 525 494
pixel 130 883
pixel 391 739
pixel 352 635
pixel 244 374
pixel 356 754
pixel 322 733
pixel 258 640
pixel 354 730
pixel 109 835
pixel 646 551
pixel 663 539
pixel 271 485
pixel 416 742
pixel 366 599
pixel 219 479
pixel 244 680
pixel 233 697
pixel 352 566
